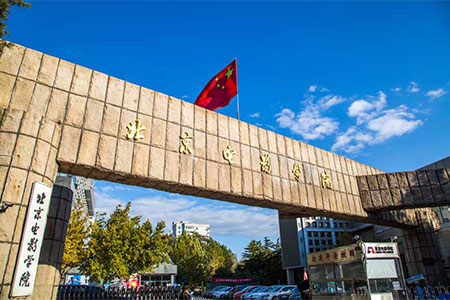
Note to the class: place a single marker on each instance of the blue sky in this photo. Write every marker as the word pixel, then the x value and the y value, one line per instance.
pixel 369 81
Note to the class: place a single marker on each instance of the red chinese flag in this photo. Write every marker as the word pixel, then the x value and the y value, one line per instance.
pixel 220 89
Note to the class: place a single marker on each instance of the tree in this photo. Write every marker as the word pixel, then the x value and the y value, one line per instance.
pixel 120 246
pixel 76 238
pixel 5 6
pixel 199 258
pixel 262 261
pixel 194 265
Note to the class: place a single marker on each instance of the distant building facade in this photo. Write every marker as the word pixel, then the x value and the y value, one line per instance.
pixel 320 233
pixel 180 227
pixel 83 188
pixel 302 236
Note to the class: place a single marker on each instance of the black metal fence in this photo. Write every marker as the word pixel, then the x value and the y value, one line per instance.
pixel 74 292
pixel 429 293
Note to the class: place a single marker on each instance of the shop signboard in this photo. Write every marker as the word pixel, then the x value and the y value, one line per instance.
pixel 380 250
pixel 340 254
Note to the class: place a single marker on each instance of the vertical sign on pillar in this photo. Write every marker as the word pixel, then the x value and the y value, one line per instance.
pixel 32 236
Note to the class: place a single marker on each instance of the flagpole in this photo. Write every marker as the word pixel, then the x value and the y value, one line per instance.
pixel 237 94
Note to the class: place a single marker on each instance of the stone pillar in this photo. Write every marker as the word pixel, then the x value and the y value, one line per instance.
pixel 422 252
pixel 29 143
pixel 53 245
pixel 28 149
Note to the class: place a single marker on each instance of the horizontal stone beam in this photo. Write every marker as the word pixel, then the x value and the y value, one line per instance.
pixel 405 190
pixel 110 129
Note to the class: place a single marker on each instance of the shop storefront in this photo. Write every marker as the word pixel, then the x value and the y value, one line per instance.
pixel 358 271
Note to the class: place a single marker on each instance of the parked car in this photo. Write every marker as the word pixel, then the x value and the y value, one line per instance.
pixel 208 293
pixel 236 289
pixel 295 296
pixel 249 289
pixel 285 295
pixel 256 293
pixel 275 291
pixel 222 293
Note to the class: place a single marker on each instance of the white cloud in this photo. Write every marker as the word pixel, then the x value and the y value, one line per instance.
pixel 433 94
pixel 394 122
pixel 185 96
pixel 413 87
pixel 224 219
pixel 375 124
pixel 114 188
pixel 396 89
pixel 365 110
pixel 255 115
pixel 330 101
pixel 316 88
pixel 310 123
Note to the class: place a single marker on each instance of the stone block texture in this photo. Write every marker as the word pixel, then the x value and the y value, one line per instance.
pixel 396 191
pixel 56 115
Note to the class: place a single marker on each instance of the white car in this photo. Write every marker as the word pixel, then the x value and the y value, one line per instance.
pixel 276 290
pixel 248 296
pixel 222 293
pixel 261 292
pixel 208 293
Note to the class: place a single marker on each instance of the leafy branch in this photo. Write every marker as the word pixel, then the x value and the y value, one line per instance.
pixel 5 6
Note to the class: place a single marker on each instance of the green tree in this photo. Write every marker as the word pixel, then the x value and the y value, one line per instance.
pixel 76 238
pixel 194 263
pixel 200 258
pixel 5 6
pixel 121 245
pixel 262 261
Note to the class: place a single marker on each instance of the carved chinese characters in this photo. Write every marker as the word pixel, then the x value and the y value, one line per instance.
pixel 186 146
pixel 186 140
pixel 30 245
pixel 326 182
pixel 266 166
pixel 297 172
pixel 134 130
pixel 228 154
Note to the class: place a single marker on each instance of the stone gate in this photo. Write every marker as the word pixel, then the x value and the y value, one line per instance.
pixel 58 116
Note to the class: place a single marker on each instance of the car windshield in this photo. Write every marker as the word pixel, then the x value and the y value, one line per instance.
pixel 228 288
pixel 275 289
pixel 288 288
pixel 241 287
pixel 265 289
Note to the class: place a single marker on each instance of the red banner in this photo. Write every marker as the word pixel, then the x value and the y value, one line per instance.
pixel 234 280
